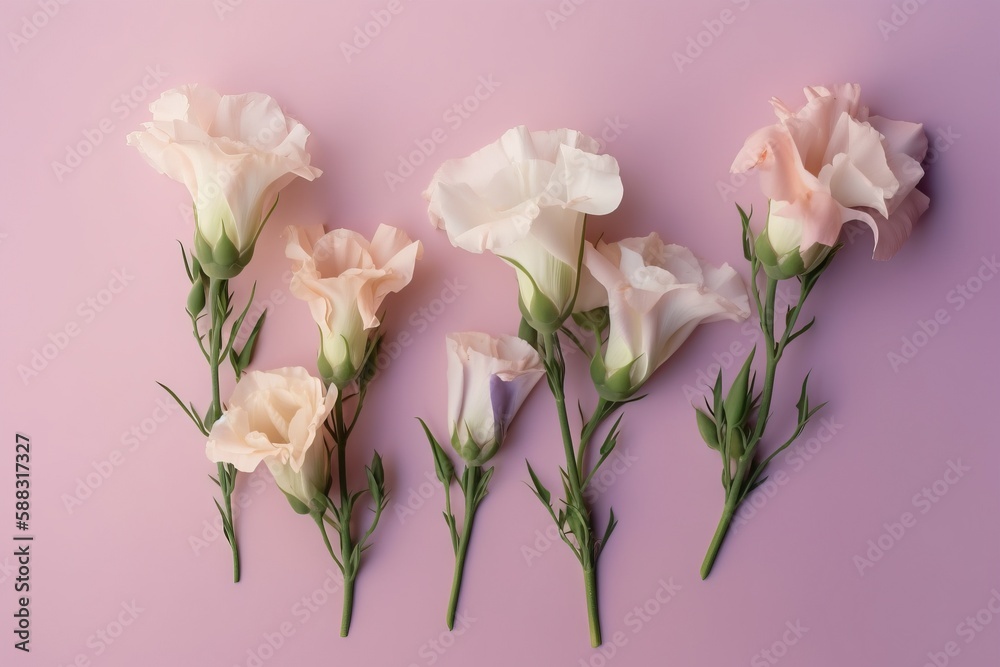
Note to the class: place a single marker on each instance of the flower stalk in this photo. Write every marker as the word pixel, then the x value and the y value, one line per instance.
pixel 736 425
pixel 341 512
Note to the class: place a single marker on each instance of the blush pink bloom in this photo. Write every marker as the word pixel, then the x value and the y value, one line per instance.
pixel 830 162
pixel 344 278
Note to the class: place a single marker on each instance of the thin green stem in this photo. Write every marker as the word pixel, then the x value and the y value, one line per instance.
pixel 593 613
pixel 558 391
pixel 345 622
pixel 348 612
pixel 471 482
pixel 773 353
pixel 341 436
pixel 555 369
pixel 346 507
pixel 720 534
pixel 226 471
pixel 319 518
pixel 601 413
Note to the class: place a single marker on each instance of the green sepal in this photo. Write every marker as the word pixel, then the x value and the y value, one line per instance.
pixel 618 386
pixel 596 320
pixel 297 505
pixel 526 333
pixel 543 315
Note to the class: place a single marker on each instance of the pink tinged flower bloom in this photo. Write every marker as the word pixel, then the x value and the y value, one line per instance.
pixel 345 278
pixel 829 163
pixel 524 198
pixel 488 380
pixel 234 153
pixel 657 296
pixel 276 418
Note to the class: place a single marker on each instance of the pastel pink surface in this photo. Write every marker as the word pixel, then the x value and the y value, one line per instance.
pixel 609 69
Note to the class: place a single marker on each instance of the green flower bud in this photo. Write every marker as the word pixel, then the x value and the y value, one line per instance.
pixel 738 400
pixel 736 443
pixel 196 297
pixel 706 427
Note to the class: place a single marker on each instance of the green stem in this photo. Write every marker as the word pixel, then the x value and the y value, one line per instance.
pixel 471 483
pixel 341 434
pixel 345 622
pixel 600 414
pixel 345 619
pixel 226 471
pixel 593 613
pixel 773 353
pixel 720 534
pixel 556 372
pixel 346 541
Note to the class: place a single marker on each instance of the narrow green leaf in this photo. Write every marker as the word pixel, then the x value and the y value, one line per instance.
pixel 197 422
pixel 443 466
pixel 540 490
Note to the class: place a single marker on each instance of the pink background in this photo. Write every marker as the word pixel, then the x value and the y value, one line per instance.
pixel 607 65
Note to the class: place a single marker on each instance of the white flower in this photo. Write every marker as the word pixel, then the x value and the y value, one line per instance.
pixel 657 295
pixel 234 153
pixel 488 380
pixel 524 198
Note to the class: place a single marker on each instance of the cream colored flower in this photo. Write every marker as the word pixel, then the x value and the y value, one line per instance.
pixel 234 153
pixel 276 417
